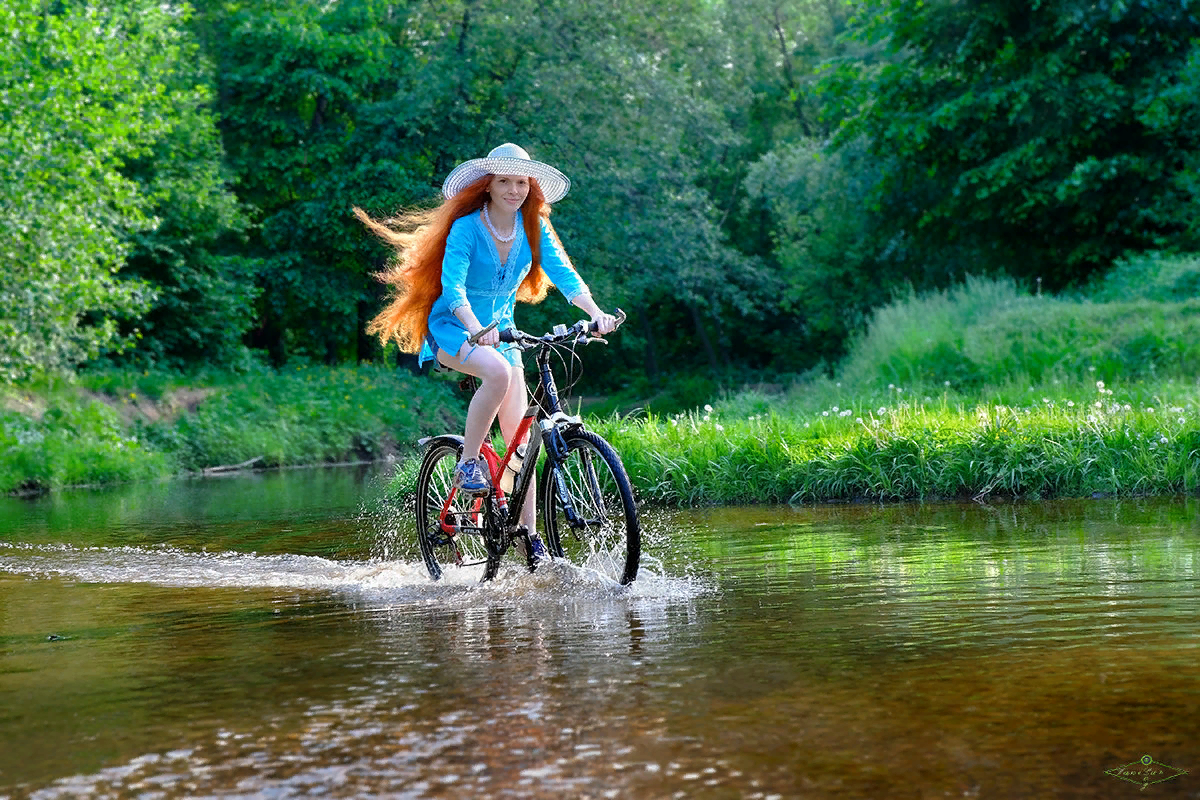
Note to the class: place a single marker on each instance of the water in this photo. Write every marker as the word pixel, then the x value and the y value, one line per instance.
pixel 277 636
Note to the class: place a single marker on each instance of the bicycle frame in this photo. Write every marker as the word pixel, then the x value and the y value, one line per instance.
pixel 545 408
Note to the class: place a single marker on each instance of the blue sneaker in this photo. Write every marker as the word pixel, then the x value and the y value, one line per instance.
pixel 471 477
pixel 539 549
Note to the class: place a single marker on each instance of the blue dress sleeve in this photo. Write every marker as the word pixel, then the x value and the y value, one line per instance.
pixel 454 266
pixel 558 268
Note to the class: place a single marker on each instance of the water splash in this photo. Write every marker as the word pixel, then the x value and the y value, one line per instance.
pixel 373 581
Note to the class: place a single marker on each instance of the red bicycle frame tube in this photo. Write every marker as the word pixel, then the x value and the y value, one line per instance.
pixel 496 468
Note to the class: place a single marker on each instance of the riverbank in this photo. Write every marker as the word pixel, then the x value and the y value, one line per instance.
pixel 978 391
pixel 813 442
pixel 115 427
pixel 1057 441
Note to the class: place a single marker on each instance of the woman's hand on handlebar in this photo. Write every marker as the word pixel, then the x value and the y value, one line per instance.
pixel 488 336
pixel 604 323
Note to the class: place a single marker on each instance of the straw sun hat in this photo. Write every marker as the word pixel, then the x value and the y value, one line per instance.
pixel 508 159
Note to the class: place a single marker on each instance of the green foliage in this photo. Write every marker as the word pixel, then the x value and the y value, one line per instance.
pixel 74 443
pixel 1045 140
pixel 988 332
pixel 823 246
pixel 303 415
pixel 1150 276
pixel 81 91
pixel 193 257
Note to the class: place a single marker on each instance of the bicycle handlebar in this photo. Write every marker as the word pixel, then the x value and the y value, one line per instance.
pixel 580 330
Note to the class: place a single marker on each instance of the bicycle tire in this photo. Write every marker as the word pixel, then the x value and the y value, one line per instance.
pixel 445 555
pixel 606 535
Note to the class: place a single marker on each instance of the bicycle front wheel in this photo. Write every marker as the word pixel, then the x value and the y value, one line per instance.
pixel 588 511
pixel 445 555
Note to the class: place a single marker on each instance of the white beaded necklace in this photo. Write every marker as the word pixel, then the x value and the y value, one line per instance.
pixel 488 221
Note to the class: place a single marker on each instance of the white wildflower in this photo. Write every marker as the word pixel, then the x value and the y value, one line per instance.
pixel 1100 385
pixel 1070 404
pixel 882 410
pixel 708 408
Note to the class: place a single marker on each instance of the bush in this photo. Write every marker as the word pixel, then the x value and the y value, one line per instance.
pixel 310 415
pixel 74 443
pixel 1162 277
pixel 987 333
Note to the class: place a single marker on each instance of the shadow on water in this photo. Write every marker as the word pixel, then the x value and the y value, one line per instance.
pixel 247 638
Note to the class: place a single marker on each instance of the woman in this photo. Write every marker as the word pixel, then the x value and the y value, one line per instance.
pixel 462 267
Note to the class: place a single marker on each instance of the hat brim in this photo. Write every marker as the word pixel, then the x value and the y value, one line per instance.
pixel 555 185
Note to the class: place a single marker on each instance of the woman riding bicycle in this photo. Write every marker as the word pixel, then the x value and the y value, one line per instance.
pixel 462 267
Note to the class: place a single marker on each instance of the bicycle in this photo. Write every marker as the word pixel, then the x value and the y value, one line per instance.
pixel 589 516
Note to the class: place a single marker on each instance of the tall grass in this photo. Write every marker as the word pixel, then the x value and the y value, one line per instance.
pixel 988 333
pixel 1163 277
pixel 914 449
pixel 976 391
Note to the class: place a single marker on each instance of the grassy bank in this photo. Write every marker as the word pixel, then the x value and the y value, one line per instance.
pixel 982 390
pixel 117 426
pixel 756 448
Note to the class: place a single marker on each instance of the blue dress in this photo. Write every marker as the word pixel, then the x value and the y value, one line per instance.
pixel 473 275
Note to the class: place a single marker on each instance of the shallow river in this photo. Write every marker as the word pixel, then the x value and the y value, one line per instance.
pixel 277 636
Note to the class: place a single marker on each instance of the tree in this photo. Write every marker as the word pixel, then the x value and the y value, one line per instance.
pixel 81 91
pixel 1044 139
pixel 194 256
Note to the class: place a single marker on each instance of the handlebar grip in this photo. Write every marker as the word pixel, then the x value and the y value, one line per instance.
pixel 508 336
pixel 620 315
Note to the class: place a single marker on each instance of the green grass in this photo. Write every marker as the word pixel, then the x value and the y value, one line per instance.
pixel 115 426
pixel 73 443
pixel 309 415
pixel 913 448
pixel 977 391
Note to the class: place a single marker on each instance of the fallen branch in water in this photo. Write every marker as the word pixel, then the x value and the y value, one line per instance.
pixel 232 467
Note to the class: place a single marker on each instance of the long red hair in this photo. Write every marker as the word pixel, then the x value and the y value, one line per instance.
pixel 415 273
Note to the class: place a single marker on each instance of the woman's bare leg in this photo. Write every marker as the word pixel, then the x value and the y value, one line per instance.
pixel 494 374
pixel 501 392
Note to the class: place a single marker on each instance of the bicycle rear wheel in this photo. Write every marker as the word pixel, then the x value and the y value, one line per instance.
pixel 589 515
pixel 447 555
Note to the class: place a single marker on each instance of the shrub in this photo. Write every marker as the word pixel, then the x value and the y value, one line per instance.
pixel 1150 276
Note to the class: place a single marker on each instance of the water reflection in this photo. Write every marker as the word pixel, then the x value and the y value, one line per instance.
pixel 861 652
